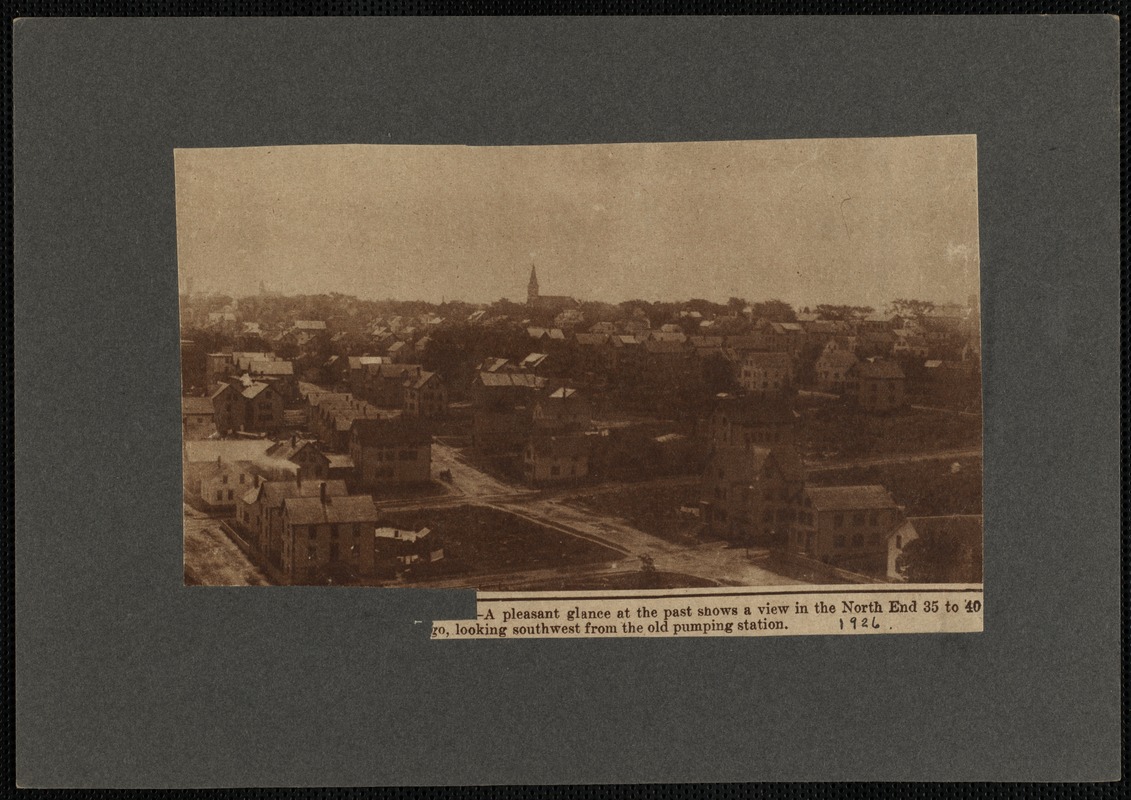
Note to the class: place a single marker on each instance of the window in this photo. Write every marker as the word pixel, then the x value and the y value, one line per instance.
pixel 219 495
pixel 873 519
pixel 224 479
pixel 858 518
pixel 311 552
pixel 334 532
pixel 858 540
pixel 242 476
pixel 838 542
pixel 356 530
pixel 555 470
pixel 312 532
pixel 838 520
pixel 230 494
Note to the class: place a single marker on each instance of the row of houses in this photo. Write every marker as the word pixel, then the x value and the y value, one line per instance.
pixel 301 528
pixel 754 490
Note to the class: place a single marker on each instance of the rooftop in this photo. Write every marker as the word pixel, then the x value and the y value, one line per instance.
pixel 849 498
pixel 347 508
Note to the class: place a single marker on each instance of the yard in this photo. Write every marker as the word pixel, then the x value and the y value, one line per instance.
pixel 925 488
pixel 652 509
pixel 626 580
pixel 479 540
pixel 833 430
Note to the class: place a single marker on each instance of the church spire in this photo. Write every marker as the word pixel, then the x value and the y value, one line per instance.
pixel 532 287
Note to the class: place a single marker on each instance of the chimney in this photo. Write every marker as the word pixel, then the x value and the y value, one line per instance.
pixel 322 493
pixel 294 439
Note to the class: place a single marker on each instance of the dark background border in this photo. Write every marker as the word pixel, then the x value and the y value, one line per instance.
pixel 127 678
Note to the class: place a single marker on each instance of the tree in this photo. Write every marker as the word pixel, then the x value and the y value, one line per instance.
pixel 843 313
pixel 941 559
pixel 911 308
pixel 774 311
pixel 718 376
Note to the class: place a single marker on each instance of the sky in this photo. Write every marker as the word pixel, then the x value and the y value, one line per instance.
pixel 843 221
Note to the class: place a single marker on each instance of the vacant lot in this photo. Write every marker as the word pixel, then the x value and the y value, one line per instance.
pixel 481 540
pixel 627 580
pixel 833 430
pixel 652 509
pixel 926 488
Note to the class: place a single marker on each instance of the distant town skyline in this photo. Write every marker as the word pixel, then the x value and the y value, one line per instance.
pixel 837 221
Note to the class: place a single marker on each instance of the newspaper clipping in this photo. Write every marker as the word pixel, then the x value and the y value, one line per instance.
pixel 725 388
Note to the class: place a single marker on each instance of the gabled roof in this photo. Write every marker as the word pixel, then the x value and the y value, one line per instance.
pixel 253 390
pixel 494 364
pixel 564 393
pixel 273 367
pixel 288 448
pixel 224 387
pixel 590 339
pixel 520 379
pixel 849 498
pixel 533 360
pixel 421 380
pixel 360 362
pixel 271 494
pixel 312 511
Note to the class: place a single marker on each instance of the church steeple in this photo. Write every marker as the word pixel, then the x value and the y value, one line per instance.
pixel 532 287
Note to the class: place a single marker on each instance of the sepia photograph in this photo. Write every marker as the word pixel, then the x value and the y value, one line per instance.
pixel 630 366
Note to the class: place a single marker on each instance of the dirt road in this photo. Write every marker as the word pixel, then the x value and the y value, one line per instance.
pixel 212 559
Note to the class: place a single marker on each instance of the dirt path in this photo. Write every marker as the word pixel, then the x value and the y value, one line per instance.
pixel 466 479
pixel 212 559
